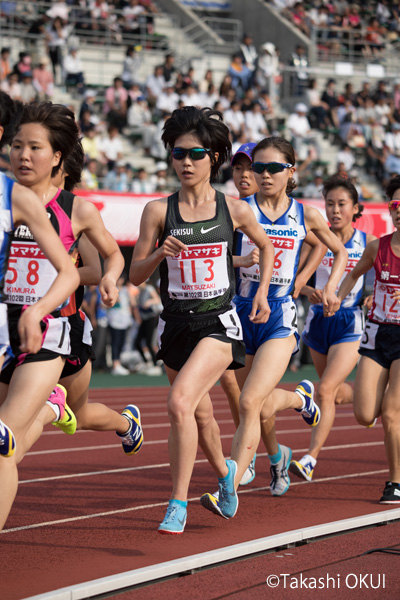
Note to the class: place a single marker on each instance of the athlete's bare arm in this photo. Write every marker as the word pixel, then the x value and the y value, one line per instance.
pixel 145 258
pixel 90 272
pixel 312 252
pixel 317 224
pixel 365 263
pixel 28 209
pixel 244 218
pixel 87 219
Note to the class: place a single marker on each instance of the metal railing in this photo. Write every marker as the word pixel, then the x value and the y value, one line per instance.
pixel 333 44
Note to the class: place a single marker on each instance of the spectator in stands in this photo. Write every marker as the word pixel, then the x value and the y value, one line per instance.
pixel 168 100
pixel 239 73
pixel 130 13
pixel 110 147
pixel 268 110
pixel 346 156
pixel 331 102
pixel 24 64
pixel 249 55
pixel 159 177
pixel 28 90
pixel 89 179
pixel 155 85
pixel 267 67
pixel 317 114
pixel 116 104
pixel 119 322
pixel 191 97
pixel 142 184
pixel 90 144
pixel 43 79
pixel 256 125
pixel 116 179
pixel 5 67
pixel 313 189
pixel 88 103
pixel 234 119
pixel 381 91
pixel 73 71
pixel 131 66
pixel 140 122
pixel 300 131
pixel 210 97
pixel 11 86
pixel 392 139
pixel 364 93
pixel 56 38
pixel 248 100
pixel 169 70
pixel 384 111
pixel 375 36
pixel 300 18
pixel 205 83
pixel 299 60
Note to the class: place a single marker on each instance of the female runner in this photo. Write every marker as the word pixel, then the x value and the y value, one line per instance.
pixel 45 137
pixel 76 374
pixel 199 331
pixel 334 342
pixel 20 205
pixel 377 383
pixel 270 346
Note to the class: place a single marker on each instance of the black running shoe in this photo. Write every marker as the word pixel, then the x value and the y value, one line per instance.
pixel 391 493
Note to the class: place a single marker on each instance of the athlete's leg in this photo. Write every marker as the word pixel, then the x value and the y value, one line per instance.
pixel 209 432
pixel 189 386
pixel 231 388
pixel 92 416
pixel 29 388
pixel 344 394
pixel 391 421
pixel 369 389
pixel 273 356
pixel 340 361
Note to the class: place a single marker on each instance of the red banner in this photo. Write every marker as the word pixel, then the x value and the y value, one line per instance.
pixel 122 213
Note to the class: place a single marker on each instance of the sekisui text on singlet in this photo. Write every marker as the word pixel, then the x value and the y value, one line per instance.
pixel 30 274
pixel 202 278
pixel 287 235
pixel 6 228
pixel 355 247
pixel 386 309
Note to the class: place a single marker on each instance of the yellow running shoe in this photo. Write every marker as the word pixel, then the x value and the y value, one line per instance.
pixel 67 420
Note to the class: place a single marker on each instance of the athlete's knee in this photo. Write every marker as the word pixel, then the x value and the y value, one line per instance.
pixel 249 407
pixel 391 418
pixel 325 392
pixel 179 407
pixel 364 415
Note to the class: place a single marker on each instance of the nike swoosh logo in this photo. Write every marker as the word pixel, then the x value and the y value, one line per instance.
pixel 202 230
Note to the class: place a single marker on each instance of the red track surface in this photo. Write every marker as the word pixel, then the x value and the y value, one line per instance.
pixel 84 510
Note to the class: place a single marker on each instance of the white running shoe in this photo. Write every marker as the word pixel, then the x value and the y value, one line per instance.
pixel 280 481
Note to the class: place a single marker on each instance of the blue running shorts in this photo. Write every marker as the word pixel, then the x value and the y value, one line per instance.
pixel 282 323
pixel 320 333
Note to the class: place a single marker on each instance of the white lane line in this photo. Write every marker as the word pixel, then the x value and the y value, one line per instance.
pixel 197 462
pixel 155 442
pixel 111 513
pixel 190 564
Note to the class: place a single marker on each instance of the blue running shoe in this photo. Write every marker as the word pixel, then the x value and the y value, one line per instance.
pixel 7 440
pixel 228 499
pixel 310 413
pixel 211 502
pixel 175 519
pixel 132 440
pixel 250 472
pixel 303 470
pixel 280 481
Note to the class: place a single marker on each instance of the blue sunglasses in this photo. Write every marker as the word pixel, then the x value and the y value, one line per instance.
pixel 271 167
pixel 194 153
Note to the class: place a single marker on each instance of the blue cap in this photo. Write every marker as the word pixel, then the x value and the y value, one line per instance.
pixel 245 149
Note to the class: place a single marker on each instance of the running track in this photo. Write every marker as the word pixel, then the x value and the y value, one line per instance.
pixel 86 511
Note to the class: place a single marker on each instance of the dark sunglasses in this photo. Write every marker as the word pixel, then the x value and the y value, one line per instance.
pixel 272 167
pixel 194 153
pixel 394 204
